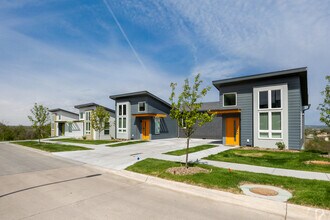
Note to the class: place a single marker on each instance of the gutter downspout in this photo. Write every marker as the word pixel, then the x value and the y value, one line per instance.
pixel 303 111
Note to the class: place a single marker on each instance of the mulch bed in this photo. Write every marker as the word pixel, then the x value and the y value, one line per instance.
pixel 268 149
pixel 186 171
pixel 318 162
pixel 264 191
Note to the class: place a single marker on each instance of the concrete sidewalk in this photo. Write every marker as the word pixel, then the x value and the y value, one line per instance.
pixel 269 170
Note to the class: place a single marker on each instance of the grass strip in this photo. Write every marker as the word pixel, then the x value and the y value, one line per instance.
pixel 314 193
pixel 81 141
pixel 191 150
pixel 126 143
pixel 277 159
pixel 49 147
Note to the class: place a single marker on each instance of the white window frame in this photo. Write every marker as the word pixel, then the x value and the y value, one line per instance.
pixel 157 131
pixel 121 117
pixel 270 99
pixel 108 129
pixel 223 99
pixel 145 106
pixel 88 121
pixel 270 111
pixel 81 115
pixel 59 116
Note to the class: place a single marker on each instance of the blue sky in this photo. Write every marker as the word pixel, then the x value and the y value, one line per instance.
pixel 63 53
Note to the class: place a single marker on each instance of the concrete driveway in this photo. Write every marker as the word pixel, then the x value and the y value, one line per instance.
pixel 121 157
pixel 42 186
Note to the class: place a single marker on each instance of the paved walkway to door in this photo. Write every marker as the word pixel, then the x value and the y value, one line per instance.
pixel 121 157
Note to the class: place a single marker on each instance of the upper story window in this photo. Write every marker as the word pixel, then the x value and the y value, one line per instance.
pixel 270 99
pixel 229 99
pixel 122 109
pixel 81 115
pixel 142 106
pixel 59 117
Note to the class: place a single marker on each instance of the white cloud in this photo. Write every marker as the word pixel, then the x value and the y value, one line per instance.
pixel 32 71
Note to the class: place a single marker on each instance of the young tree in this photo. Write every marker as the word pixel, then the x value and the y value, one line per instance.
pixel 99 117
pixel 186 108
pixel 39 118
pixel 325 106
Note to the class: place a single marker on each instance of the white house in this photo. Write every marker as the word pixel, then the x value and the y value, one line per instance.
pixel 85 111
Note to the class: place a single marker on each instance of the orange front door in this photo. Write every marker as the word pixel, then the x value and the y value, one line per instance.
pixel 145 129
pixel 232 131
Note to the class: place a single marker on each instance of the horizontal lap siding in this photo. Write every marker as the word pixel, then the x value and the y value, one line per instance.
pixel 211 130
pixel 245 103
pixel 294 99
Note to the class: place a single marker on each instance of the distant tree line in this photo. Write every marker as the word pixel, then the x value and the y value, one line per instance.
pixel 20 132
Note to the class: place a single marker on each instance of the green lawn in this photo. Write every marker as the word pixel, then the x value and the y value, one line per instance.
pixel 191 150
pixel 81 141
pixel 286 160
pixel 50 147
pixel 305 192
pixel 126 143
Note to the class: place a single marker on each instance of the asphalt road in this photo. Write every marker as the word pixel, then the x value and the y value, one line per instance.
pixel 39 186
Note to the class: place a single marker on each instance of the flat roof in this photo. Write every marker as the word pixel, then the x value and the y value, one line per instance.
pixel 63 110
pixel 139 93
pixel 300 72
pixel 92 104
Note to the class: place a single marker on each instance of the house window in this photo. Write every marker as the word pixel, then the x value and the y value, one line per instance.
pixel 270 114
pixel 59 117
pixel 87 122
pixel 106 128
pixel 142 106
pixel 229 99
pixel 70 127
pixel 81 115
pixel 157 125
pixel 122 118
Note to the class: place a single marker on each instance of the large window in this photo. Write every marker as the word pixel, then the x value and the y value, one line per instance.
pixel 142 106
pixel 270 114
pixel 88 122
pixel 157 125
pixel 122 118
pixel 70 127
pixel 229 99
pixel 106 128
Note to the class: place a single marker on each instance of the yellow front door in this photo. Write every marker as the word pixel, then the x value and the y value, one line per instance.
pixel 232 131
pixel 145 129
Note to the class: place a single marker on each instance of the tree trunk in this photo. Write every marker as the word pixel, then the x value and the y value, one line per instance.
pixel 187 151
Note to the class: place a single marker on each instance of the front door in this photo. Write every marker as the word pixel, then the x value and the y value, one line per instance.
pixel 232 131
pixel 145 129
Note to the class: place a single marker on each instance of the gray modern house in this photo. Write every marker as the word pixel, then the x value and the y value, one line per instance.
pixel 260 110
pixel 142 115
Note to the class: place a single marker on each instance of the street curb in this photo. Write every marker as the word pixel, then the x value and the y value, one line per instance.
pixel 285 210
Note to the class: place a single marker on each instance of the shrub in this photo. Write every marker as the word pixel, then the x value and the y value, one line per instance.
pixel 84 137
pixel 317 145
pixel 280 145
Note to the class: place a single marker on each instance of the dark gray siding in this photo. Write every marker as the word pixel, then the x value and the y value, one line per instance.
pixel 211 130
pixel 294 108
pixel 245 103
pixel 168 125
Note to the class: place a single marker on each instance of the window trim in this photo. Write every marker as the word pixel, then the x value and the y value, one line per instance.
pixel 108 129
pixel 145 106
pixel 122 117
pixel 81 115
pixel 223 99
pixel 88 120
pixel 270 99
pixel 270 124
